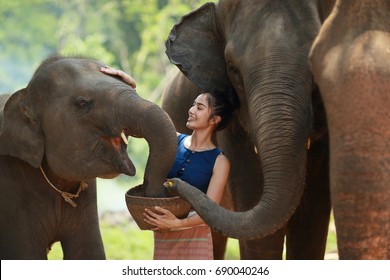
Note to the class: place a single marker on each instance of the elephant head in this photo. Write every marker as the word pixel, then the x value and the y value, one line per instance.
pixel 260 48
pixel 74 120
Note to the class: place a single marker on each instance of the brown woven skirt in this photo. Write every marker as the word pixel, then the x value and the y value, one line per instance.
pixel 193 243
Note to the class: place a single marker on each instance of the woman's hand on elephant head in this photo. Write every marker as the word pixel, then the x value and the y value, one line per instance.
pixel 123 75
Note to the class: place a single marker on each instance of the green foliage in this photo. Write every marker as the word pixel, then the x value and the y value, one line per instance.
pixel 331 243
pixel 126 34
pixel 123 240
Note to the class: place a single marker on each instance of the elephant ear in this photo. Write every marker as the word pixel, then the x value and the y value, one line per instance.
pixel 21 135
pixel 196 48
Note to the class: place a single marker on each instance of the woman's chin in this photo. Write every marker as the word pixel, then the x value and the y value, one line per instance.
pixel 189 125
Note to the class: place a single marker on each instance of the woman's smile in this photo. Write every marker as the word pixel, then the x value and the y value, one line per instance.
pixel 191 118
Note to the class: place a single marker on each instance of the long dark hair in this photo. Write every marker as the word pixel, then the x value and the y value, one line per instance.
pixel 223 104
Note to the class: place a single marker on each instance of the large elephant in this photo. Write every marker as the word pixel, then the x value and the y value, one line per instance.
pixel 280 188
pixel 57 135
pixel 352 68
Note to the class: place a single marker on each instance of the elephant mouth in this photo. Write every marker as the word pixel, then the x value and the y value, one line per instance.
pixel 119 142
pixel 121 162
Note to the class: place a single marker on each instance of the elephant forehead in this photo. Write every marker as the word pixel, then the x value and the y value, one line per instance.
pixel 75 64
pixel 58 69
pixel 71 77
pixel 269 22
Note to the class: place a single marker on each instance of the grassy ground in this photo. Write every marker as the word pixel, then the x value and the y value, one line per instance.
pixel 124 241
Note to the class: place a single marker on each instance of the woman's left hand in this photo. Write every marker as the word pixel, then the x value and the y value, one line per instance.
pixel 123 75
pixel 164 219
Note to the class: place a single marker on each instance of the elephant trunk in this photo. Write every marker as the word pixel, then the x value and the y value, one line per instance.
pixel 147 120
pixel 282 123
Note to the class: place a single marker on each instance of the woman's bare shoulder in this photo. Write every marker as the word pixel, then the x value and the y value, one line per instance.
pixel 222 161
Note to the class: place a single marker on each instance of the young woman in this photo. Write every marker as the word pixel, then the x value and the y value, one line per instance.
pixel 201 164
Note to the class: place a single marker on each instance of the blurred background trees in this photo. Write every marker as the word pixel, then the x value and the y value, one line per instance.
pixel 127 34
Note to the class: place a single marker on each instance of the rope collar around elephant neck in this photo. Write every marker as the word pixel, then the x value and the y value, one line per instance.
pixel 67 196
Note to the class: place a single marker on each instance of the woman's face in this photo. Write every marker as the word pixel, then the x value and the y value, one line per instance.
pixel 199 115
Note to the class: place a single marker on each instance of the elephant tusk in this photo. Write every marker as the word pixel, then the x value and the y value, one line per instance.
pixel 308 144
pixel 255 149
pixel 124 138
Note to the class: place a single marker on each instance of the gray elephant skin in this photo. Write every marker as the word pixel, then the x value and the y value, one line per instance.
pixel 280 188
pixel 68 122
pixel 352 68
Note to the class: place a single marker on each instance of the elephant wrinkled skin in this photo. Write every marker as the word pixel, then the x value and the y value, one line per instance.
pixel 352 68
pixel 69 121
pixel 280 189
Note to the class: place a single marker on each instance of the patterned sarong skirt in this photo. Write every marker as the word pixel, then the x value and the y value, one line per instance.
pixel 194 243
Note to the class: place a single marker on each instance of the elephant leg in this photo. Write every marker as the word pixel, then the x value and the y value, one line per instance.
pixel 82 239
pixel 220 241
pixel 268 248
pixel 308 228
pixel 84 245
pixel 19 244
pixel 219 245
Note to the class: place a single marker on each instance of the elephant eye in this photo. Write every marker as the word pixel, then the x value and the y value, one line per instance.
pixel 82 102
pixel 233 69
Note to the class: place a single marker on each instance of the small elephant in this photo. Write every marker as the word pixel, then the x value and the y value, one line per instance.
pixel 261 49
pixel 350 60
pixel 66 128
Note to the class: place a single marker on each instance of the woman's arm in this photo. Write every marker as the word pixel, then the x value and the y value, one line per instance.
pixel 219 178
pixel 166 220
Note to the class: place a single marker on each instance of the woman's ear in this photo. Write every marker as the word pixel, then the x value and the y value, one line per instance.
pixel 215 120
pixel 21 134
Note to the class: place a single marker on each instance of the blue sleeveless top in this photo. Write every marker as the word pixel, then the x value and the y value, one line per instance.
pixel 194 168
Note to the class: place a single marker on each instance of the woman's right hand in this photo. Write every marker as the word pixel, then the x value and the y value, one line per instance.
pixel 123 75
pixel 162 220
